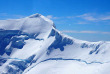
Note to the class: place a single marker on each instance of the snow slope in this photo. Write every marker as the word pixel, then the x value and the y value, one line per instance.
pixel 33 45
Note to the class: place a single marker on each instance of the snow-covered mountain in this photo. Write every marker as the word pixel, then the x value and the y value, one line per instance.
pixel 33 45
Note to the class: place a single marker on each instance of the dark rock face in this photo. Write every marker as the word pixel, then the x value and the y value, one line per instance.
pixel 13 36
pixel 2 61
pixel 95 50
pixel 5 39
pixel 17 65
pixel 59 42
pixel 21 65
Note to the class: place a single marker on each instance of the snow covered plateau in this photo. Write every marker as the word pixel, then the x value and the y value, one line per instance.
pixel 32 45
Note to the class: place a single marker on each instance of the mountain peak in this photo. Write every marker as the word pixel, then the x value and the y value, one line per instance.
pixel 32 24
pixel 35 15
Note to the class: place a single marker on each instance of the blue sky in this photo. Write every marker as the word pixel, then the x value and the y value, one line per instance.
pixel 82 19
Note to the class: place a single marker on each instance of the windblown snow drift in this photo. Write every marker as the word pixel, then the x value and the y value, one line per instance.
pixel 32 45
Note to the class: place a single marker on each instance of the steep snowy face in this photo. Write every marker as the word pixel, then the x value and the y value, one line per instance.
pixel 14 32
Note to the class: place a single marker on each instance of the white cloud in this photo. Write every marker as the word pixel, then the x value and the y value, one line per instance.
pixel 10 16
pixel 49 16
pixel 89 32
pixel 69 31
pixel 80 22
pixel 52 17
pixel 105 18
pixel 61 17
pixel 88 17
pixel 94 17
pixel 105 32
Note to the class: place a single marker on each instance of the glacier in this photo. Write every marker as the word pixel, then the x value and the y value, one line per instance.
pixel 33 45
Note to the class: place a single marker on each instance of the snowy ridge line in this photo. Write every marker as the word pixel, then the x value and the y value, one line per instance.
pixel 79 60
